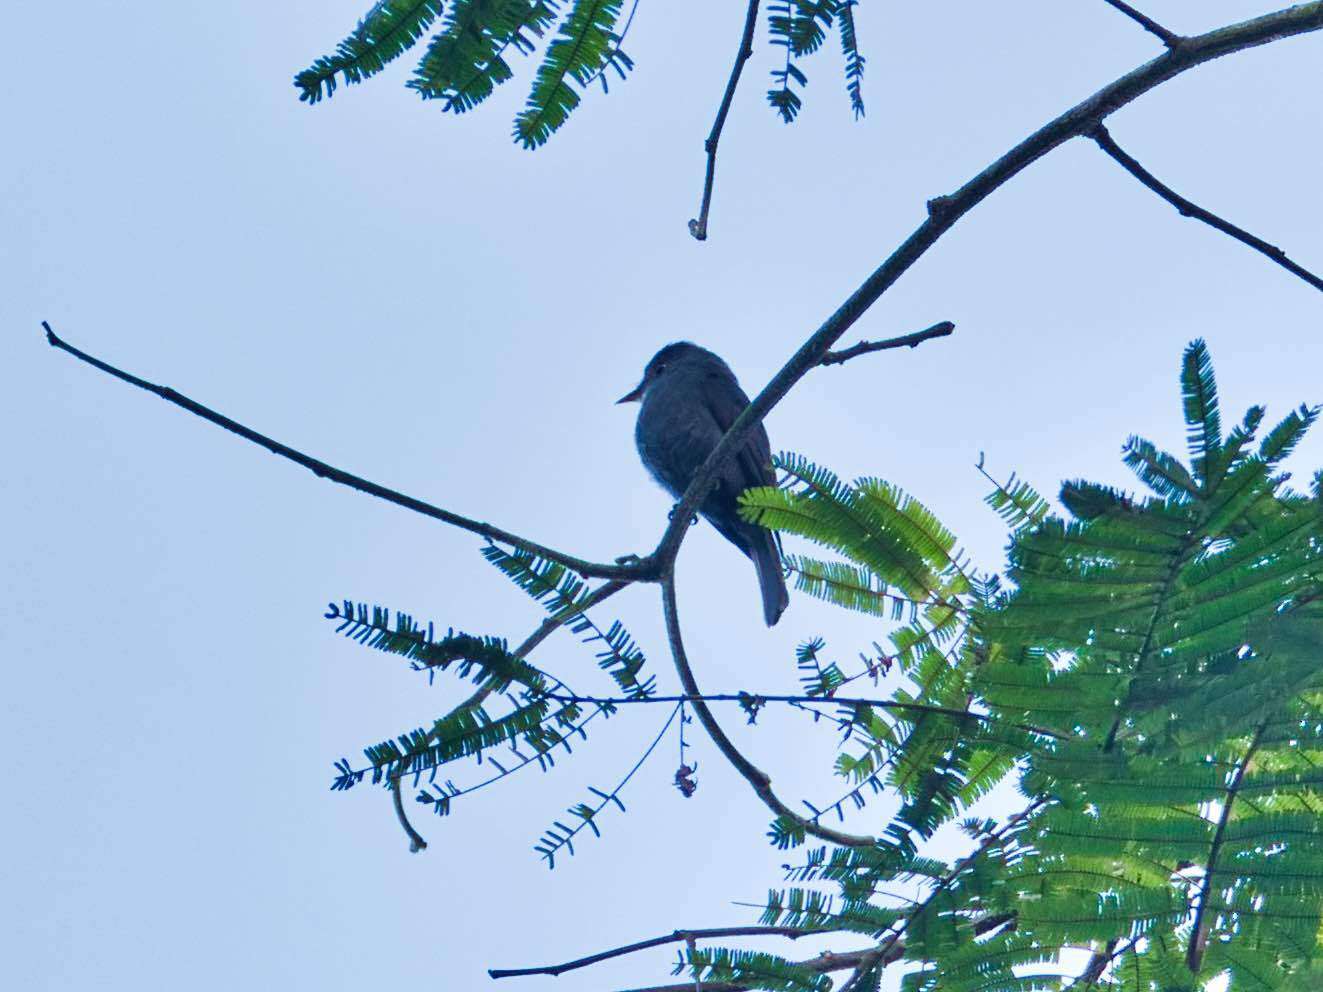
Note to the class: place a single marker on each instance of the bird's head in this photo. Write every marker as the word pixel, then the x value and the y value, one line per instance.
pixel 680 355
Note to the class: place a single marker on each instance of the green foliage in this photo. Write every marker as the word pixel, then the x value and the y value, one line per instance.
pixel 535 721
pixel 466 58
pixel 818 679
pixel 800 27
pixel 1017 503
pixel 465 62
pixel 565 596
pixel 1151 680
pixel 586 46
pixel 389 29
pixel 560 837
pixel 1145 687
pixel 489 657
pixel 854 62
pixel 751 969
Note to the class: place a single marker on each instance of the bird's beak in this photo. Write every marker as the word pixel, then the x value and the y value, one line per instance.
pixel 632 397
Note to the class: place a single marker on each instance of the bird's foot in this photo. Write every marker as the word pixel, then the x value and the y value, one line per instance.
pixel 628 560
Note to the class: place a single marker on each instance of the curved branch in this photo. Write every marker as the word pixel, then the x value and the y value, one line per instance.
pixel 416 841
pixel 1201 926
pixel 755 776
pixel 640 569
pixel 679 935
pixel 1187 209
pixel 945 211
pixel 698 227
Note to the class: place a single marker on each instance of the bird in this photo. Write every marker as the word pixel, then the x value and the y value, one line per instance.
pixel 688 399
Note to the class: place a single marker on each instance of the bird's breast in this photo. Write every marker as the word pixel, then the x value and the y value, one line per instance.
pixel 675 433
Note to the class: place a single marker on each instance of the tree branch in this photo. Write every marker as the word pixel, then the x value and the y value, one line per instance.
pixel 862 969
pixel 1093 971
pixel 640 569
pixel 1169 38
pixel 756 777
pixel 679 935
pixel 904 341
pixel 416 841
pixel 1105 141
pixel 698 227
pixel 1201 926
pixel 945 211
pixel 740 697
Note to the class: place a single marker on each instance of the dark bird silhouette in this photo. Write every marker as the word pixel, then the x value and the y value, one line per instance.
pixel 689 398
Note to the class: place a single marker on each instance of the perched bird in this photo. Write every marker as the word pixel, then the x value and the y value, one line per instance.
pixel 689 398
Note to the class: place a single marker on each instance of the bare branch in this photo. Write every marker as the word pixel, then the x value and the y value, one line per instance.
pixel 1169 38
pixel 1187 209
pixel 679 935
pixel 416 841
pixel 698 227
pixel 633 571
pixel 755 776
pixel 904 341
pixel 945 211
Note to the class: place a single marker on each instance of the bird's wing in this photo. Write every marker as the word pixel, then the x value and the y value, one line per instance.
pixel 726 401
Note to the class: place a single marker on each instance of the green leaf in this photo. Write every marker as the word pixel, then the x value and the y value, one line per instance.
pixel 389 29
pixel 586 45
pixel 466 61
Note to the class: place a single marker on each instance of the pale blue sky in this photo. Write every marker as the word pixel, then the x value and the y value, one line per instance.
pixel 409 296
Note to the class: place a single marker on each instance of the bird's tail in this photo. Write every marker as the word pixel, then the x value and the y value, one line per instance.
pixel 767 562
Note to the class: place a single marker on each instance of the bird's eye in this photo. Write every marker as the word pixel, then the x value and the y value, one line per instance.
pixel 659 370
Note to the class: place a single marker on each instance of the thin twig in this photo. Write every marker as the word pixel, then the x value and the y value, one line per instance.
pixel 631 571
pixel 1187 209
pixel 552 842
pixel 945 211
pixel 416 841
pixel 1169 38
pixel 741 697
pixel 755 776
pixel 940 330
pixel 698 227
pixel 609 60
